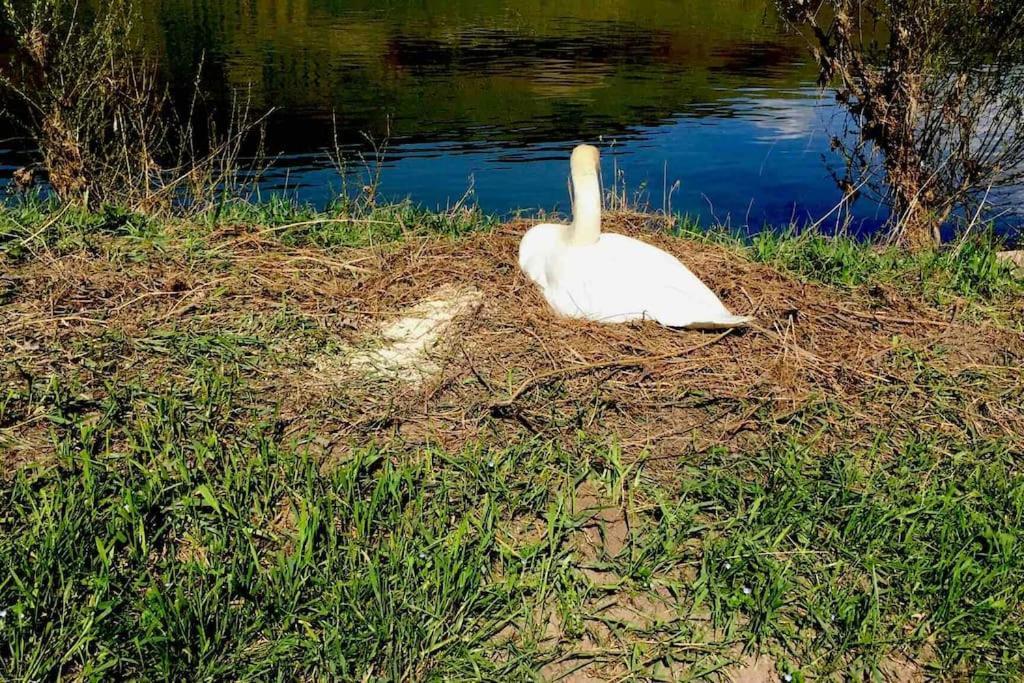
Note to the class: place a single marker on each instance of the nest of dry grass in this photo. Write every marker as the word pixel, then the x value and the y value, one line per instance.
pixel 512 369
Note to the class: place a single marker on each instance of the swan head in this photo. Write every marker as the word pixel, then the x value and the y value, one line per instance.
pixel 586 160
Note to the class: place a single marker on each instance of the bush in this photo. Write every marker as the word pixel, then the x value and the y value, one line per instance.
pixel 88 98
pixel 936 87
pixel 102 119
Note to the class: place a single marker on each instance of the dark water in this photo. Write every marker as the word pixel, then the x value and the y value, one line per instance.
pixel 489 96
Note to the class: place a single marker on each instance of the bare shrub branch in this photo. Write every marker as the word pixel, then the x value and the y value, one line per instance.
pixel 936 87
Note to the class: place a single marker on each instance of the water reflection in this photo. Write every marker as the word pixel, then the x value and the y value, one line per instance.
pixel 491 94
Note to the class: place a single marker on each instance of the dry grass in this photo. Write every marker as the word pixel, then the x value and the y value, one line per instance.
pixel 512 368
pixel 654 491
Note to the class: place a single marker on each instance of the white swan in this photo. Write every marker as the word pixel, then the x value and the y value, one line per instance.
pixel 611 278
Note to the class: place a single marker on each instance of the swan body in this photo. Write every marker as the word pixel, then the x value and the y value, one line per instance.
pixel 611 278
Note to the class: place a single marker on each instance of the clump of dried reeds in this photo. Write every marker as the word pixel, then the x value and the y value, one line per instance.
pixel 104 126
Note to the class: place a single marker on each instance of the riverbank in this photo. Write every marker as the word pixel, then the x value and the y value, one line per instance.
pixel 204 482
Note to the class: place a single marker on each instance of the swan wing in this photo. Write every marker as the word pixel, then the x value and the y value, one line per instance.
pixel 620 278
pixel 538 247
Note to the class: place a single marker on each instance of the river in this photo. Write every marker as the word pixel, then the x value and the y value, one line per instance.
pixel 705 107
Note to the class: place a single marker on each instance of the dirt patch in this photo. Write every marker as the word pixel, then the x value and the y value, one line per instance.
pixel 604 525
pixel 1015 259
pixel 911 665
pixel 899 669
pixel 754 670
pixel 191 551
pixel 580 669
pixel 639 611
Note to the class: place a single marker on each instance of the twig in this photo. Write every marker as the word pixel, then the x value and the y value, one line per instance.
pixel 147 295
pixel 472 368
pixel 25 241
pixel 891 319
pixel 620 363
pixel 330 263
pixel 60 319
pixel 323 221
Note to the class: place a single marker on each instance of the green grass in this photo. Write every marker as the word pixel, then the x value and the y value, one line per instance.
pixel 179 532
pixel 31 222
pixel 154 546
pixel 969 268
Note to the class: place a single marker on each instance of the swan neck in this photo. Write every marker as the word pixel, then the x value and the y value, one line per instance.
pixel 586 224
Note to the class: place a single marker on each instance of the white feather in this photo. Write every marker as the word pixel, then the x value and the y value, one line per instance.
pixel 615 278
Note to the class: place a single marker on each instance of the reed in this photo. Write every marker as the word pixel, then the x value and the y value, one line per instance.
pixel 103 124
